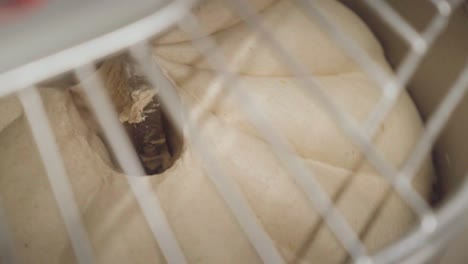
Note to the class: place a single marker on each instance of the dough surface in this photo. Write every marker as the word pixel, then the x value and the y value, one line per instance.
pixel 204 226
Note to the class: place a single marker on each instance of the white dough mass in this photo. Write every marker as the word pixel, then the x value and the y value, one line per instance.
pixel 204 226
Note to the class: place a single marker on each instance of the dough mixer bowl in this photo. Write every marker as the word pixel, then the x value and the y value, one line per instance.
pixel 436 73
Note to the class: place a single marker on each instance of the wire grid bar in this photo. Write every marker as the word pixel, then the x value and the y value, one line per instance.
pixel 397 23
pixel 357 53
pixel 311 187
pixel 387 102
pixel 216 90
pixel 434 129
pixel 443 6
pixel 127 158
pixel 451 217
pixel 387 81
pixel 56 173
pixel 99 47
pixel 7 249
pixel 436 123
pixel 391 86
pixel 225 185
pixel 409 65
pixel 406 70
pixel 344 121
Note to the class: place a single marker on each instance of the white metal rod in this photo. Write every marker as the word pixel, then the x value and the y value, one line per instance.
pixel 398 24
pixel 81 54
pixel 56 173
pixel 128 160
pixel 381 76
pixel 443 6
pixel 436 124
pixel 390 96
pixel 225 185
pixel 362 139
pixel 342 119
pixel 405 71
pixel 293 163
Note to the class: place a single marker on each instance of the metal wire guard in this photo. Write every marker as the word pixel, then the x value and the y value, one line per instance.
pixel 436 226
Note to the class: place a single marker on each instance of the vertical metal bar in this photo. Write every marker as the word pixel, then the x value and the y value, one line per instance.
pixel 56 173
pixel 312 188
pixel 226 186
pixel 381 76
pixel 436 124
pixel 342 119
pixel 127 158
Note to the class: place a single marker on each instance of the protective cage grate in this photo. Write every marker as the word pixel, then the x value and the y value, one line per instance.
pixel 435 226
